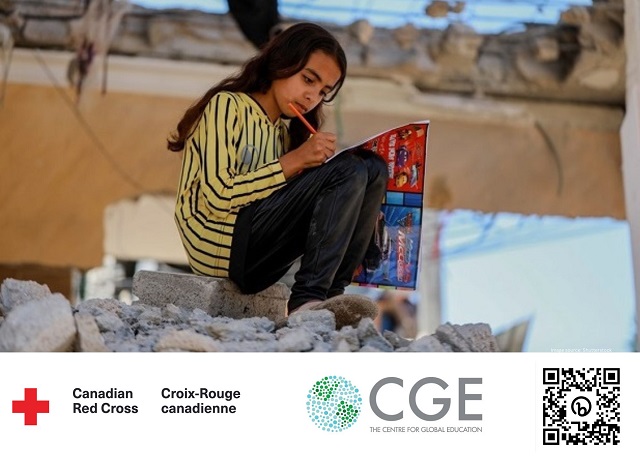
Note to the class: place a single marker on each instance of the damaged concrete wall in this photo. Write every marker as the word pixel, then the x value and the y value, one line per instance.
pixel 581 59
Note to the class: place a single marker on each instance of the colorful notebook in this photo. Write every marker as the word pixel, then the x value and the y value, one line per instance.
pixel 397 233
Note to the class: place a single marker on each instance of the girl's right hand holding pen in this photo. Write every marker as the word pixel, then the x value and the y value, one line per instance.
pixel 318 148
pixel 312 153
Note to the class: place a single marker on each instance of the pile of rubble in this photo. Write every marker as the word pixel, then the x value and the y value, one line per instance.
pixel 191 313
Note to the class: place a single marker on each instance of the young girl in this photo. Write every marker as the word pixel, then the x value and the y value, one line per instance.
pixel 255 195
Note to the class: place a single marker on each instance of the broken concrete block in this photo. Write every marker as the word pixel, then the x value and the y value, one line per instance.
pixel 428 343
pixel 43 325
pixel 467 337
pixel 219 297
pixel 89 338
pixel 14 292
pixel 186 341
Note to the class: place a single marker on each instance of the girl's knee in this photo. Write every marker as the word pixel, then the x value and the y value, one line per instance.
pixel 363 168
pixel 353 166
pixel 378 168
pixel 376 165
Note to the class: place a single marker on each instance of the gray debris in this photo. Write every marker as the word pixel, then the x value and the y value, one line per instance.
pixel 36 320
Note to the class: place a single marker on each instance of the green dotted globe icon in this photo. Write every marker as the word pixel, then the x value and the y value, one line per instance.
pixel 334 404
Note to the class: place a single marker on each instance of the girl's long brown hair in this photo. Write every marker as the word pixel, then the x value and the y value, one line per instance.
pixel 285 55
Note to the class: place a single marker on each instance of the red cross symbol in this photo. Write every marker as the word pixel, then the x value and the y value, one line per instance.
pixel 30 406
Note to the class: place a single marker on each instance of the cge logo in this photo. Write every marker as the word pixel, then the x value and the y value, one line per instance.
pixel 418 410
pixel 334 404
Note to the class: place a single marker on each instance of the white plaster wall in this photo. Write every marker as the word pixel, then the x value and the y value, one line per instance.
pixel 143 229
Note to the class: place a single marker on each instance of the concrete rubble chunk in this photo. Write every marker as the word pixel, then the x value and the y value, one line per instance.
pixel 89 338
pixel 250 346
pixel 296 340
pixel 342 346
pixel 406 36
pixel 369 336
pixel 346 340
pixel 219 297
pixel 319 321
pixel 546 49
pixel 395 340
pixel 97 306
pixel 186 340
pixel 479 337
pixel 437 9
pixel 450 334
pixel 427 343
pixel 576 15
pixel 110 322
pixel 41 325
pixel 468 337
pixel 14 292
pixel 240 330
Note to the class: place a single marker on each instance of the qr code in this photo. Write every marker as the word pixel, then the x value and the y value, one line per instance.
pixel 581 406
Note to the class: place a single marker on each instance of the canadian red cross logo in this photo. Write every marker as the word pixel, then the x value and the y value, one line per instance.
pixel 30 406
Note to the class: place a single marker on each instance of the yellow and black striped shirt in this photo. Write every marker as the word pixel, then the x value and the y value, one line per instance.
pixel 230 160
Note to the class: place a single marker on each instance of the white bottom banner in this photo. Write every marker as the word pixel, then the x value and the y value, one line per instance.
pixel 319 404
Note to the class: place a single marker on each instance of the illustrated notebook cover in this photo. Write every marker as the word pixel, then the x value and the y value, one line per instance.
pixel 395 262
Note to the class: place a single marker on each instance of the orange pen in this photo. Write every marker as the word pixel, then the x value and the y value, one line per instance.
pixel 302 119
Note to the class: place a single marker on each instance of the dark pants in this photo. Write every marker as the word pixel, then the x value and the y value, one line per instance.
pixel 326 215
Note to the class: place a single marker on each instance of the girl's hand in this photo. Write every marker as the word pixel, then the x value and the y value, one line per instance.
pixel 317 149
pixel 310 154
